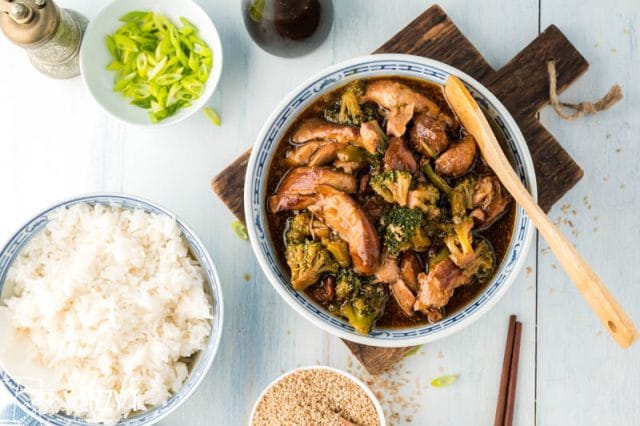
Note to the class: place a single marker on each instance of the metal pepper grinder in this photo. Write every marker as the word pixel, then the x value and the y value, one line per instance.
pixel 50 35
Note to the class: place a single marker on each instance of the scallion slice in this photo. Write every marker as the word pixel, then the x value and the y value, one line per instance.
pixel 158 66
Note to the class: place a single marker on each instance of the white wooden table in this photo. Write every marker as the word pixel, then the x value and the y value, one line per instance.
pixel 56 143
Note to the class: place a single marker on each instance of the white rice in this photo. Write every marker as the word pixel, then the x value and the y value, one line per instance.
pixel 110 301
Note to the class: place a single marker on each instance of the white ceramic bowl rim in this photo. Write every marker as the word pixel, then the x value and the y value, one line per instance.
pixel 282 117
pixel 17 242
pixel 96 31
pixel 364 387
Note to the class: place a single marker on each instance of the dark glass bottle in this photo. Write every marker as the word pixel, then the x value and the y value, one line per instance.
pixel 288 28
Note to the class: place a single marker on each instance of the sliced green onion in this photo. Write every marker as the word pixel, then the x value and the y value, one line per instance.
pixel 115 66
pixel 143 103
pixel 193 86
pixel 125 43
pixel 111 46
pixel 157 65
pixel 187 24
pixel 153 72
pixel 240 230
pixel 134 16
pixel 212 115
pixel 413 351
pixel 142 64
pixel 442 381
pixel 124 82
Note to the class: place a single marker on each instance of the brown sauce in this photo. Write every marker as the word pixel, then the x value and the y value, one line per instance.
pixel 499 234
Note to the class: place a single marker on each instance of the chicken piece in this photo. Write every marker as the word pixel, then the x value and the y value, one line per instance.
pixel 297 189
pixel 318 129
pixel 387 271
pixel 491 200
pixel 401 102
pixel 314 153
pixel 399 157
pixel 391 94
pixel 403 296
pixel 398 118
pixel 364 187
pixel 459 158
pixel 410 267
pixel 370 137
pixel 430 296
pixel 446 274
pixel 434 314
pixel 373 207
pixel 350 167
pixel 478 216
pixel 437 287
pixel 325 290
pixel 428 135
pixel 345 217
pixel 290 201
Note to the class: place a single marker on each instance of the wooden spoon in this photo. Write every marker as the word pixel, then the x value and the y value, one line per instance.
pixel 593 290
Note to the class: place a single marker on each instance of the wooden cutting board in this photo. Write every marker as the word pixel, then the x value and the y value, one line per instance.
pixel 522 86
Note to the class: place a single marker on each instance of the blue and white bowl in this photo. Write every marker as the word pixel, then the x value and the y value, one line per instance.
pixel 388 65
pixel 202 360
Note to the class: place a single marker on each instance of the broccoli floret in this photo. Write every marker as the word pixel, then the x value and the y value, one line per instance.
pixel 365 307
pixel 485 261
pixel 461 198
pixel 459 243
pixel 347 110
pixel 353 153
pixel 304 226
pixel 425 197
pixel 298 228
pixel 347 284
pixel 319 230
pixel 308 260
pixel 339 249
pixel 436 179
pixel 402 230
pixel 371 112
pixel 438 257
pixel 392 186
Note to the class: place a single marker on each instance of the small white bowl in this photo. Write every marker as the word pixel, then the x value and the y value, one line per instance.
pixel 351 377
pixel 94 57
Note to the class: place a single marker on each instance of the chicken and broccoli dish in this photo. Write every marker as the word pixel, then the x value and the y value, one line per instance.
pixel 382 208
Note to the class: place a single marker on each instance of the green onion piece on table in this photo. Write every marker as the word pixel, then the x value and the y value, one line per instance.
pixel 413 351
pixel 240 230
pixel 442 381
pixel 157 65
pixel 212 115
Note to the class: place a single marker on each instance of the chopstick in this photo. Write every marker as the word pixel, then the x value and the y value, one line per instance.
pixel 509 378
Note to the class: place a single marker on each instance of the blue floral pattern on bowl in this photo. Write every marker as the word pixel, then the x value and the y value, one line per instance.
pixel 204 359
pixel 277 125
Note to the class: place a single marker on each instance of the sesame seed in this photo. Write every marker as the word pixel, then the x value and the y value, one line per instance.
pixel 315 397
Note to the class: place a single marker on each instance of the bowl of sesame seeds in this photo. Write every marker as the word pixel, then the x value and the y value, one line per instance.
pixel 317 395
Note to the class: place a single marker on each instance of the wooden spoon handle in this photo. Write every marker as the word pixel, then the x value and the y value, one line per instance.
pixel 611 314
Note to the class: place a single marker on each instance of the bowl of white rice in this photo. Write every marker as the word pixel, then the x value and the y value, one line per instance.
pixel 110 312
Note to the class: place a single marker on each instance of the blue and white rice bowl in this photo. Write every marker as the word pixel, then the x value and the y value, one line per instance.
pixel 276 126
pixel 201 361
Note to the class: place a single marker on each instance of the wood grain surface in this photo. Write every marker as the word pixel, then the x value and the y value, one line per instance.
pixel 521 85
pixel 56 143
